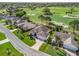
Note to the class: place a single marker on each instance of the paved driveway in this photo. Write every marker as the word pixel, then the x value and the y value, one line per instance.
pixel 37 45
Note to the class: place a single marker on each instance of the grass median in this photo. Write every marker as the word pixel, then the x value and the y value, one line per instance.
pixel 2 36
pixel 8 50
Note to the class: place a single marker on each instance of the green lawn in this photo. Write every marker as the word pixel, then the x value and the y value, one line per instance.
pixel 8 50
pixel 52 50
pixel 26 38
pixel 2 21
pixel 58 16
pixel 2 36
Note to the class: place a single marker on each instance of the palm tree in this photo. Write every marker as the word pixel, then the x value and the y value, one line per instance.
pixel 8 51
pixel 70 11
pixel 74 24
pixel 46 9
pixel 57 40
pixel 45 19
pixel 58 28
pixel 25 17
pixel 47 12
pixel 20 13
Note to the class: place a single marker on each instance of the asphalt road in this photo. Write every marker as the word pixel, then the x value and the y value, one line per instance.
pixel 19 45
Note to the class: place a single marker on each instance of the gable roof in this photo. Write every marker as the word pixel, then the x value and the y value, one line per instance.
pixel 41 31
pixel 24 24
pixel 42 28
pixel 62 35
pixel 66 38
pixel 70 40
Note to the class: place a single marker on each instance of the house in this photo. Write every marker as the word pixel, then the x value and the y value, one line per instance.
pixel 1 16
pixel 11 19
pixel 41 32
pixel 70 44
pixel 24 25
pixel 13 8
pixel 67 41
pixel 28 26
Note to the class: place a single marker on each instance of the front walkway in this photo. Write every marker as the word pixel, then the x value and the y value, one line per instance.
pixel 37 45
pixel 4 41
pixel 13 30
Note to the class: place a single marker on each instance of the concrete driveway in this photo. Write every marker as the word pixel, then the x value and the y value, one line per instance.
pixel 37 45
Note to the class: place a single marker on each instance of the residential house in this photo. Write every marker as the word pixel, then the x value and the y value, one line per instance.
pixel 67 40
pixel 13 8
pixel 24 25
pixel 41 32
pixel 11 19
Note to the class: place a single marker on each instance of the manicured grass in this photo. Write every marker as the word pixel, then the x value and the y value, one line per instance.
pixel 62 10
pixel 2 21
pixel 26 38
pixel 2 36
pixel 58 16
pixel 60 19
pixel 16 33
pixel 52 50
pixel 8 50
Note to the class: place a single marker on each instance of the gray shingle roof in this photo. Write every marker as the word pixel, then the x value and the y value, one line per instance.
pixel 62 35
pixel 66 38
pixel 41 31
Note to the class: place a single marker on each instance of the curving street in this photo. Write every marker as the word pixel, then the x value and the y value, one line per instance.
pixel 19 45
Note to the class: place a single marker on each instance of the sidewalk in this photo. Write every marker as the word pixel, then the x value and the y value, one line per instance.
pixel 4 41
